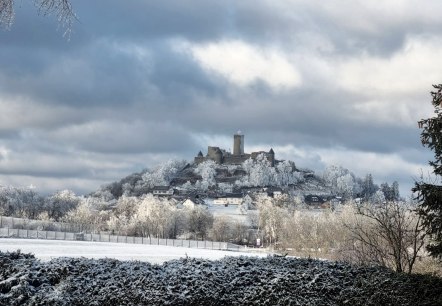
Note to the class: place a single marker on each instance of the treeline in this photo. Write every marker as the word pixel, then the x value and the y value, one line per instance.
pixel 27 203
pixel 342 182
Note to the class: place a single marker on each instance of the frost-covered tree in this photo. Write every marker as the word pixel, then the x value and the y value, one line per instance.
pixel 59 203
pixel 259 172
pixel 395 191
pixel 199 221
pixel 20 202
pixel 341 181
pixel 88 215
pixel 220 229
pixel 332 173
pixel 207 171
pixel 429 194
pixel 163 174
pixel 154 217
pixel 271 219
pixel 285 174
pixel 244 206
pixel 391 193
pixel 345 186
pixel 368 187
pixel 378 197
pixel 62 9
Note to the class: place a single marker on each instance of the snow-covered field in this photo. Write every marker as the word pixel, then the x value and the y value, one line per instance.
pixel 48 249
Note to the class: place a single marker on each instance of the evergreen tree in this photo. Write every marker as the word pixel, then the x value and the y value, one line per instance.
pixel 387 190
pixel 429 194
pixel 369 188
pixel 395 190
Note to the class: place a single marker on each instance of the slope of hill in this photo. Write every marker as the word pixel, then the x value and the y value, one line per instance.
pixel 209 176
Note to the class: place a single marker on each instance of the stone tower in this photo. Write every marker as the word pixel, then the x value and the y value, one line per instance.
pixel 271 157
pixel 238 143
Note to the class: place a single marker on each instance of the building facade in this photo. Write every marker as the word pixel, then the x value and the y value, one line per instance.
pixel 221 156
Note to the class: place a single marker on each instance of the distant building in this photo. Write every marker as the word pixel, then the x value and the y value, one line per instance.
pixel 192 203
pixel 229 199
pixel 274 191
pixel 221 156
pixel 321 201
pixel 162 191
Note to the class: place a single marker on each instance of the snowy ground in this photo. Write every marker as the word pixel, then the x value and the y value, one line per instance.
pixel 49 249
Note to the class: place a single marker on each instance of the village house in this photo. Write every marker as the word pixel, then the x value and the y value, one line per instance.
pixel 321 201
pixel 162 191
pixel 229 199
pixel 274 192
pixel 192 202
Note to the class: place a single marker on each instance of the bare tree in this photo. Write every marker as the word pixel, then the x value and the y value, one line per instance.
pixel 199 221
pixel 221 229
pixel 390 235
pixel 62 9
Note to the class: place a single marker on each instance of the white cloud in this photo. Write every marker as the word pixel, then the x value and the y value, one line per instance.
pixel 244 64
pixel 410 70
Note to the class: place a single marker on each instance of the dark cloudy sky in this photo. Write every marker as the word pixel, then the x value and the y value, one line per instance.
pixel 140 82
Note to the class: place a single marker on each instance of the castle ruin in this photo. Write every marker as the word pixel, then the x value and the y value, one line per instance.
pixel 221 156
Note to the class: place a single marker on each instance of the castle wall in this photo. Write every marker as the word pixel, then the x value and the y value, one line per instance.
pixel 238 157
pixel 199 159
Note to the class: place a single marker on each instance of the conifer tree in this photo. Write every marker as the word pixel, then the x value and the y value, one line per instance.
pixel 429 194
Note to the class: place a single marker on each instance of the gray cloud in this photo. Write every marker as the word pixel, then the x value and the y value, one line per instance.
pixel 120 95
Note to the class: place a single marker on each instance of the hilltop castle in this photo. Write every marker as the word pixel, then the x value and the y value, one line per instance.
pixel 221 156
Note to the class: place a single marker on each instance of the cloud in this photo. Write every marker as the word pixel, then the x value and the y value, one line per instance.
pixel 243 64
pixel 409 70
pixel 140 82
pixel 121 137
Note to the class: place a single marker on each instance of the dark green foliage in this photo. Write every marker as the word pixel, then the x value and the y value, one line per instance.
pixel 368 187
pixel 391 193
pixel 430 194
